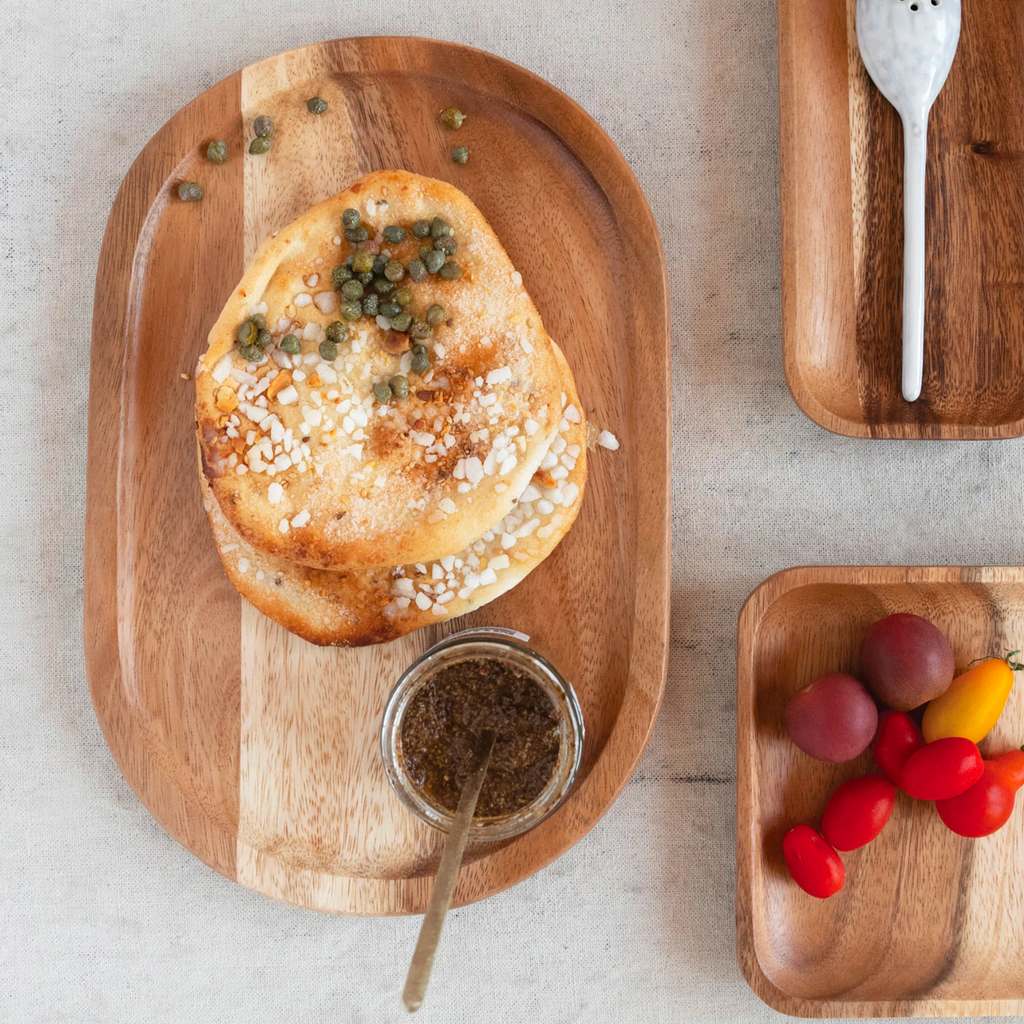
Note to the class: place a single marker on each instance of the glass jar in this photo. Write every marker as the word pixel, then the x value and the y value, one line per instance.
pixel 512 648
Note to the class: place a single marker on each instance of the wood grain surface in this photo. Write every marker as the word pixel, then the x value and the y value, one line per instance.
pixel 842 231
pixel 256 750
pixel 928 923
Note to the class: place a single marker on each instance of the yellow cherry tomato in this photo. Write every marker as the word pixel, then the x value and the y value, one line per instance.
pixel 973 703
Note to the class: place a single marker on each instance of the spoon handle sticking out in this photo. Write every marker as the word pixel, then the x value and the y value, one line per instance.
pixel 915 149
pixel 444 885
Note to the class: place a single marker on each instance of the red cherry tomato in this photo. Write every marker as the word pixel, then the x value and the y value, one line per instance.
pixel 814 865
pixel 987 805
pixel 896 740
pixel 858 811
pixel 943 769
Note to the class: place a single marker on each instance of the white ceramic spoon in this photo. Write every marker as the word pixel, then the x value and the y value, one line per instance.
pixel 908 48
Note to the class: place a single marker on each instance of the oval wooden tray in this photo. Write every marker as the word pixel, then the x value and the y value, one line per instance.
pixel 842 231
pixel 928 923
pixel 254 749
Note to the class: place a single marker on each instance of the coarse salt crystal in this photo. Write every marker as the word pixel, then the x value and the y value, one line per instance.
pixel 301 518
pixel 517 278
pixel 423 602
pixel 572 414
pixel 303 299
pixel 447 506
pixel 326 302
pixel 606 439
pixel 499 562
pixel 243 565
pixel 487 577
pixel 508 541
pixel 570 493
pixel 544 507
pixel 310 333
pixel 500 375
pixel 531 427
pixel 283 526
pixel 288 395
pixel 275 492
pixel 222 369
pixel 312 280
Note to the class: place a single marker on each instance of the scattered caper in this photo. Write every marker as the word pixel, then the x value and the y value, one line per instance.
pixel 452 118
pixel 357 234
pixel 339 276
pixel 217 152
pixel 382 392
pixel 366 278
pixel 447 244
pixel 352 290
pixel 371 305
pixel 451 271
pixel 393 233
pixel 190 191
pixel 259 145
pixel 421 229
pixel 417 270
pixel 350 218
pixel 264 338
pixel 336 330
pixel 316 105
pixel 434 260
pixel 382 286
pixel 439 227
pixel 247 333
pixel 402 322
pixel 399 386
pixel 390 309
pixel 260 320
pixel 263 127
pixel 420 362
pixel 328 350
pixel 379 264
pixel 252 354
pixel 402 296
pixel 351 310
pixel 460 154
pixel 424 249
pixel 436 314
pixel 394 271
pixel 362 260
pixel 419 347
pixel 420 331
pixel 290 343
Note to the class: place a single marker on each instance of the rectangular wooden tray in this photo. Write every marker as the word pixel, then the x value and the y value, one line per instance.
pixel 842 231
pixel 928 923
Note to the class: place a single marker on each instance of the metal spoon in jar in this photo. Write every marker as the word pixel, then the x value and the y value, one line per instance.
pixel 447 874
pixel 908 48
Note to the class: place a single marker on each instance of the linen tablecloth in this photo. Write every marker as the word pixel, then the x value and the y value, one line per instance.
pixel 103 917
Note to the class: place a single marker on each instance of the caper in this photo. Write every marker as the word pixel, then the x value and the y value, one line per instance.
pixel 399 386
pixel 263 127
pixel 439 227
pixel 190 191
pixel 316 105
pixel 393 233
pixel 402 296
pixel 260 320
pixel 421 229
pixel 394 271
pixel 217 152
pixel 420 331
pixel 352 290
pixel 379 264
pixel 460 154
pixel 339 275
pixel 365 279
pixel 259 145
pixel 336 330
pixel 402 322
pixel 356 234
pixel 382 286
pixel 452 118
pixel 247 333
pixel 328 350
pixel 350 218
pixel 382 392
pixel 362 260
pixel 371 305
pixel 420 362
pixel 290 344
pixel 447 244
pixel 390 309
pixel 436 314
pixel 451 271
pixel 264 338
pixel 351 310
pixel 419 348
pixel 417 270
pixel 434 260
pixel 252 354
pixel 424 250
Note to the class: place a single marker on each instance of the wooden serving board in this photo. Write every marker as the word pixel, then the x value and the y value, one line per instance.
pixel 928 923
pixel 842 230
pixel 256 750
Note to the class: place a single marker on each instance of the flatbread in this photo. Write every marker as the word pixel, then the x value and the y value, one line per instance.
pixel 301 459
pixel 356 608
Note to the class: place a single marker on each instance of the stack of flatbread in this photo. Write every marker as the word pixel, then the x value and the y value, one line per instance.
pixel 370 466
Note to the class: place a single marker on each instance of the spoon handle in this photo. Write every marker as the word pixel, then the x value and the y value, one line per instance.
pixel 915 151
